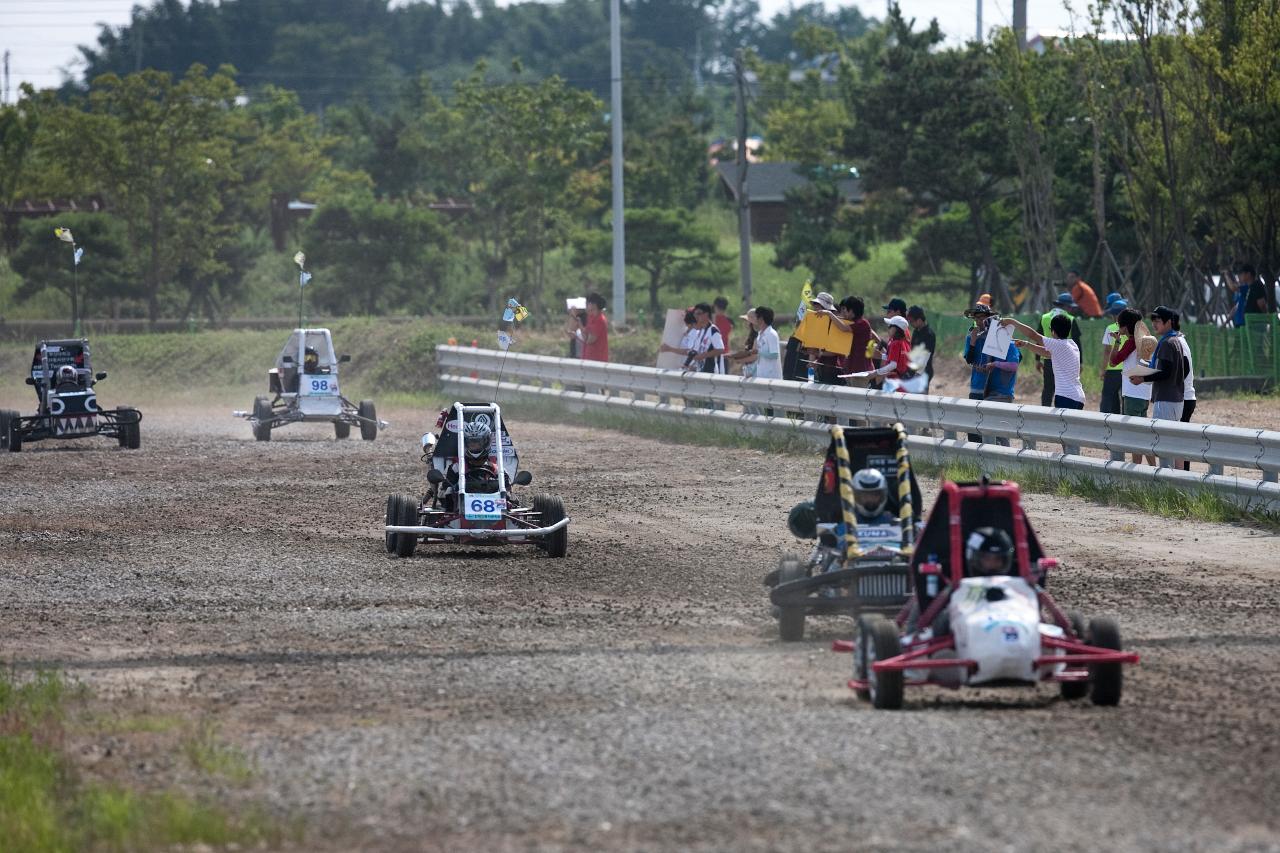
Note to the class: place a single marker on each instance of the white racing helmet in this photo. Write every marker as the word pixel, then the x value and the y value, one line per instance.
pixel 67 373
pixel 870 492
pixel 477 437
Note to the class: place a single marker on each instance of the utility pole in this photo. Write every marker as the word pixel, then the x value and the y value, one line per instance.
pixel 1020 22
pixel 979 37
pixel 615 121
pixel 6 78
pixel 744 206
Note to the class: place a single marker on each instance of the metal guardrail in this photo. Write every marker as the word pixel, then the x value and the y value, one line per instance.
pixel 1252 454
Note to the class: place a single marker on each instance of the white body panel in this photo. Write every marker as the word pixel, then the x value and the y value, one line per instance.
pixel 1003 636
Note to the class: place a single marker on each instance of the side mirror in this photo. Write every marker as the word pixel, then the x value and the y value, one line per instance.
pixel 435 476
pixel 428 442
pixel 100 376
pixel 343 359
pixel 523 478
pixel 30 381
pixel 288 359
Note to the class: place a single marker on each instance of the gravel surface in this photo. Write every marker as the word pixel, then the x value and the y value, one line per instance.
pixel 631 696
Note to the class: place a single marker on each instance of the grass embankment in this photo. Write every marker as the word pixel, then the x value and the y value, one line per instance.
pixel 1155 498
pixel 49 803
pixel 213 365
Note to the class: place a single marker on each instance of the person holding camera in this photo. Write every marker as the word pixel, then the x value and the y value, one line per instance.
pixel 990 378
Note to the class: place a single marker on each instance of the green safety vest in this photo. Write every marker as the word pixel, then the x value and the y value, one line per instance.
pixel 1117 341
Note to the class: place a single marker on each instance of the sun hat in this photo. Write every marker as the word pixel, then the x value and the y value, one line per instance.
pixel 1115 306
pixel 825 300
pixel 1065 300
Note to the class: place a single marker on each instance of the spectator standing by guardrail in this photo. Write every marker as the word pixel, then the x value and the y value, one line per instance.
pixel 722 319
pixel 595 333
pixel 990 378
pixel 1060 351
pixel 1112 374
pixel 768 348
pixel 747 356
pixel 923 335
pixel 1189 386
pixel 1063 305
pixel 1171 368
pixel 1135 399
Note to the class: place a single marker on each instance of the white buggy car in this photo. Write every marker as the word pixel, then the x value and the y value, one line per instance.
pixel 304 387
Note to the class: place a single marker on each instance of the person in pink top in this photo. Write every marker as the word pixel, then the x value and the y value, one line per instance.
pixel 595 334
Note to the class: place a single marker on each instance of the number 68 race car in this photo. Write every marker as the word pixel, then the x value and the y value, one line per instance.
pixel 472 466
pixel 62 374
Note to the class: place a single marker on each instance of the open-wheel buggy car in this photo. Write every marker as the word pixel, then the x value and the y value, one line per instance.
pixel 980 614
pixel 303 386
pixel 63 378
pixel 472 466
pixel 864 519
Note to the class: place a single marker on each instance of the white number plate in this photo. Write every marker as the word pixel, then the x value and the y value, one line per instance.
pixel 319 386
pixel 483 507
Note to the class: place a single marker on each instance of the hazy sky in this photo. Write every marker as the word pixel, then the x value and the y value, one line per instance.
pixel 41 35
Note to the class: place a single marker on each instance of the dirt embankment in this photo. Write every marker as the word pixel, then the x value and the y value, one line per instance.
pixel 631 696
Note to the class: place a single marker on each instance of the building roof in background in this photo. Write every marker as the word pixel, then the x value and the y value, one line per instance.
pixel 769 182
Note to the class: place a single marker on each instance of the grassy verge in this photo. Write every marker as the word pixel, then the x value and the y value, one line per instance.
pixel 47 803
pixel 1157 499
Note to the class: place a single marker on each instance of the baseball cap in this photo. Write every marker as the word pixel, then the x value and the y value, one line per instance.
pixel 915 311
pixel 1113 296
pixel 900 322
pixel 825 300
pixel 1115 306
pixel 1164 314
pixel 896 304
pixel 1065 300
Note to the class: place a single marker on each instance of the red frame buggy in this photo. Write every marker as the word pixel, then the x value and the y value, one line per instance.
pixel 917 647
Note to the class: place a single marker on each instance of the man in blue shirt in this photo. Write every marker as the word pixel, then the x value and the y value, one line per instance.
pixel 990 378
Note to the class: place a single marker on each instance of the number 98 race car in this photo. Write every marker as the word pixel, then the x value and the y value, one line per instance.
pixel 472 466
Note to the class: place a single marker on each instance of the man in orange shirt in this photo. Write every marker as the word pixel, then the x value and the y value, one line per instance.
pixel 595 335
pixel 1083 295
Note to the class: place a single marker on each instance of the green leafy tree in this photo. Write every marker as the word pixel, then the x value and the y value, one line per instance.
pixel 44 261
pixel 375 257
pixel 821 229
pixel 670 245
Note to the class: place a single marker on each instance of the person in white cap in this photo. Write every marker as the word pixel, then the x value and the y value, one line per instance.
pixel 825 364
pixel 896 358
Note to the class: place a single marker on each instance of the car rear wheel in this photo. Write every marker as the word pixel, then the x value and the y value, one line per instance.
pixel 1107 678
pixel 406 514
pixel 550 509
pixel 879 641
pixel 393 513
pixel 368 427
pixel 790 619
pixel 1075 689
pixel 341 430
pixel 9 431
pixel 262 414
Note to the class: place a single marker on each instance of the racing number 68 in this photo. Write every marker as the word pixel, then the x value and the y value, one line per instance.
pixel 479 505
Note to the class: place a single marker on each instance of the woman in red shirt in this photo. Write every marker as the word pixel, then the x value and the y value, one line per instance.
pixel 895 364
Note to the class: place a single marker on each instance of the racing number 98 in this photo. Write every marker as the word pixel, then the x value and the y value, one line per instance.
pixel 319 385
pixel 478 505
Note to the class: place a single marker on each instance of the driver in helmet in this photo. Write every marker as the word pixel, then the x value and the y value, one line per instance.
pixel 988 552
pixel 310 361
pixel 477 440
pixel 68 379
pixel 870 497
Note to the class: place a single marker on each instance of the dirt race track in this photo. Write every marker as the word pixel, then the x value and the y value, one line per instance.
pixel 631 696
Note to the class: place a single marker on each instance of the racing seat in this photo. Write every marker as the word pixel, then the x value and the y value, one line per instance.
pixel 868 448
pixel 981 505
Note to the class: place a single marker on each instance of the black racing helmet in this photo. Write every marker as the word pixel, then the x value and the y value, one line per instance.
pixel 310 358
pixel 802 521
pixel 988 551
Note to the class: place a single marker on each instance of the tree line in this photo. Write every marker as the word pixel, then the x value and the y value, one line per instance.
pixel 1142 152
